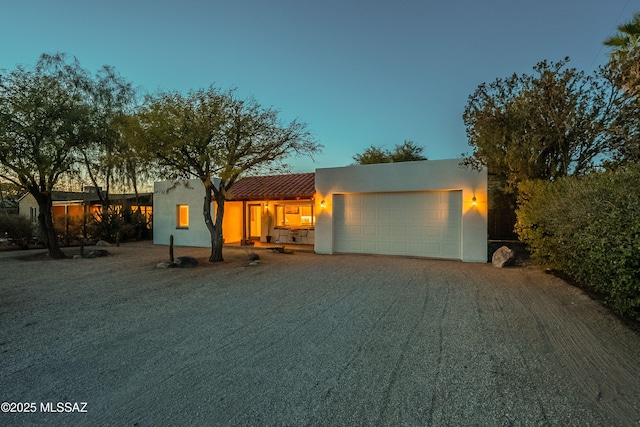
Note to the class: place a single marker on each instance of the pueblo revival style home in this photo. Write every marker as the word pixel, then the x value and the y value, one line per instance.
pixel 434 209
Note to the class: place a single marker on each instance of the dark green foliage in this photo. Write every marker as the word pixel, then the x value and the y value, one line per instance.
pixel 588 228
pixel 555 122
pixel 405 152
pixel 118 225
pixel 17 228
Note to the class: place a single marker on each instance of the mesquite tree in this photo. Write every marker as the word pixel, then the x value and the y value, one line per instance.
pixel 49 115
pixel 215 137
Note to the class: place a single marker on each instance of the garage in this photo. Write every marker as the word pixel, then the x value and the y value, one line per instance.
pixel 429 208
pixel 425 223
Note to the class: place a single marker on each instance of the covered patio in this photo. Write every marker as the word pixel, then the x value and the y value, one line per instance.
pixel 275 209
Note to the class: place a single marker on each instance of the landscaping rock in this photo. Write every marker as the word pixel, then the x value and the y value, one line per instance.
pixel 186 262
pixel 254 256
pixel 254 263
pixel 96 253
pixel 503 257
pixel 165 265
pixel 103 243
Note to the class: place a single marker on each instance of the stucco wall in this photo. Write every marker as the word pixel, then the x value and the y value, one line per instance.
pixel 407 176
pixel 167 195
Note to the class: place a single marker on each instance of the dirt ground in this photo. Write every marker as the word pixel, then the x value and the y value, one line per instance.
pixel 305 339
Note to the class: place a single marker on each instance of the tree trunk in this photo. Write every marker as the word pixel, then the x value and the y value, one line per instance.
pixel 215 229
pixel 45 221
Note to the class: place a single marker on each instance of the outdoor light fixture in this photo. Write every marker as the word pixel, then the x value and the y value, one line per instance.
pixel 323 203
pixel 474 201
pixel 266 206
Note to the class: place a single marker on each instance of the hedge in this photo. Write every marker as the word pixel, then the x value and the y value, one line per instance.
pixel 589 228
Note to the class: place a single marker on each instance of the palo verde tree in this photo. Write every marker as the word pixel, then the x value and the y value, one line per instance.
pixel 408 151
pixel 49 114
pixel 554 123
pixel 215 137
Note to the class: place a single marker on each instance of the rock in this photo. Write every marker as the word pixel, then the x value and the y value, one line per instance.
pixel 77 257
pixel 253 263
pixel 96 253
pixel 185 262
pixel 254 256
pixel 103 243
pixel 503 257
pixel 165 265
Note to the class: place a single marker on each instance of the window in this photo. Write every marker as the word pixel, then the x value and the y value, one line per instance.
pixel 182 216
pixel 295 216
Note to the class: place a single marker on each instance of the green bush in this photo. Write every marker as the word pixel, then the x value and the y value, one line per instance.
pixel 588 228
pixel 17 228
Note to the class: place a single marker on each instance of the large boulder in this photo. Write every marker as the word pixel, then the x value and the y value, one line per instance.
pixel 503 257
pixel 185 262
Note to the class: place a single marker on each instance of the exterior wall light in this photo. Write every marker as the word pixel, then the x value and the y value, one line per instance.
pixel 323 204
pixel 474 201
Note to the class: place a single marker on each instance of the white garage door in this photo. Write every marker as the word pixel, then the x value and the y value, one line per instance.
pixel 424 224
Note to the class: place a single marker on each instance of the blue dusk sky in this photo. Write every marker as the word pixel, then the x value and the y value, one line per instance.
pixel 359 73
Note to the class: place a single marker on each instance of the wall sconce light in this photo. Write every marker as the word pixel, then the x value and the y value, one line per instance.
pixel 323 204
pixel 474 201
pixel 266 206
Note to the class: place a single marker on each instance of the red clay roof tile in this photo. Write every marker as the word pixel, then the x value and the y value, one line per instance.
pixel 274 187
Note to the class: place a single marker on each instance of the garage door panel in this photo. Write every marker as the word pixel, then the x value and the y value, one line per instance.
pixel 417 223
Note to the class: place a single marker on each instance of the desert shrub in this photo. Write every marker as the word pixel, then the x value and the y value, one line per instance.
pixel 17 228
pixel 119 225
pixel 589 228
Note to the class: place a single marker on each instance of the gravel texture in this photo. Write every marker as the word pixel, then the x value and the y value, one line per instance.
pixel 305 339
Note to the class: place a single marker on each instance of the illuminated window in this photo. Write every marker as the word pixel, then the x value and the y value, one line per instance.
pixel 182 216
pixel 295 215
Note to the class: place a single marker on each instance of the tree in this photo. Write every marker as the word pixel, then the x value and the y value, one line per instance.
pixel 624 65
pixel 405 152
pixel 625 54
pixel 49 115
pixel 212 135
pixel 554 123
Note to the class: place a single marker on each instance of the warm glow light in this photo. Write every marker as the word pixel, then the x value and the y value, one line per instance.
pixel 474 201
pixel 323 203
pixel 266 206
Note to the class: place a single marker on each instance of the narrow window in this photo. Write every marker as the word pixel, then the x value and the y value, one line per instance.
pixel 182 216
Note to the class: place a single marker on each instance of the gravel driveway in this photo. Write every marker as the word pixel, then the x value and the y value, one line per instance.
pixel 305 339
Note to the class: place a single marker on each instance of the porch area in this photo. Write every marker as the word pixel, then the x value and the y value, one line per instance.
pixel 293 247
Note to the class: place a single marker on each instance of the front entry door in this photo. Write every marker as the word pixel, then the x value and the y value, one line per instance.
pixel 255 222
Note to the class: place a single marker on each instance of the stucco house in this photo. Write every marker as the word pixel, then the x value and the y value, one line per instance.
pixel 434 209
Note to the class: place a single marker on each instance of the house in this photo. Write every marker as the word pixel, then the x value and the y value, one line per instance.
pixel 434 209
pixel 259 208
pixel 69 206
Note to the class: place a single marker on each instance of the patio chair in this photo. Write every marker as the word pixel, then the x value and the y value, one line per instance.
pixel 283 235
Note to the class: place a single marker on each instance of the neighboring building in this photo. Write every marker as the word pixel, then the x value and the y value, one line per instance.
pixel 434 209
pixel 68 206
